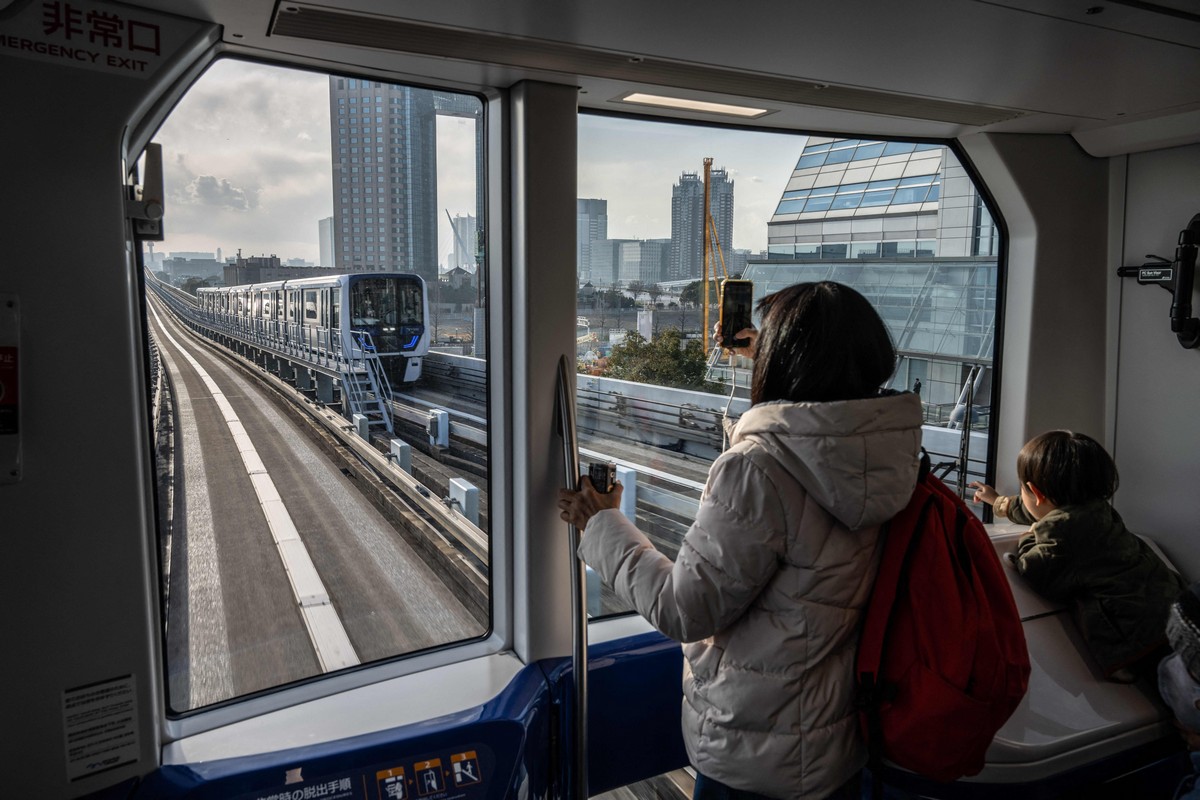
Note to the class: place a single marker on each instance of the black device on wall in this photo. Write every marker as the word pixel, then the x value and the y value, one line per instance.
pixel 1178 278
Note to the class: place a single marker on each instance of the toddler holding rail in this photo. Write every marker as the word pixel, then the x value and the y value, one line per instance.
pixel 1078 551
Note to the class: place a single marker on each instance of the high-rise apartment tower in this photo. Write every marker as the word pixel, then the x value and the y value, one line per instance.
pixel 687 222
pixel 385 209
pixel 591 220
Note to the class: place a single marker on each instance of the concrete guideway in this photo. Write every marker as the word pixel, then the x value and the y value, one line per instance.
pixel 329 639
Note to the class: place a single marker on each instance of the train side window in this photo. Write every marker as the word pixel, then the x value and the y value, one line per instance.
pixel 653 399
pixel 284 559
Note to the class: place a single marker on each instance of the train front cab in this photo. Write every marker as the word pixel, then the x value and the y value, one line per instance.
pixel 389 314
pixel 82 580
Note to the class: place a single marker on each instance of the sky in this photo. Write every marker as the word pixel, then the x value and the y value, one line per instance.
pixel 634 163
pixel 246 161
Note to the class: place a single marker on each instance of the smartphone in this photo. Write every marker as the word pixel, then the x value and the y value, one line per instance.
pixel 737 300
pixel 603 475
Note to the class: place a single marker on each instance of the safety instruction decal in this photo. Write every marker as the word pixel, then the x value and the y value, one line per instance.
pixel 325 788
pixel 390 783
pixel 100 726
pixel 454 775
pixel 121 40
pixel 465 768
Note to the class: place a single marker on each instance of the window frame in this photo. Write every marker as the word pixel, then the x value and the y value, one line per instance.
pixel 484 655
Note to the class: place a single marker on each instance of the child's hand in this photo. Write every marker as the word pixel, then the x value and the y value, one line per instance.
pixel 984 493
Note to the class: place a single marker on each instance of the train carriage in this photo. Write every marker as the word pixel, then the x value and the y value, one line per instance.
pixel 382 315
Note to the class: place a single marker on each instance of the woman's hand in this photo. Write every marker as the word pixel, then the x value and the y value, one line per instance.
pixel 750 333
pixel 578 507
pixel 984 493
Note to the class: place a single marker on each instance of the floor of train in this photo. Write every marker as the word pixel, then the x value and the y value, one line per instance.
pixel 675 785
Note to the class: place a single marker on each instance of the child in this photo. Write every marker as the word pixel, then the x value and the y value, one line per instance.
pixel 1078 551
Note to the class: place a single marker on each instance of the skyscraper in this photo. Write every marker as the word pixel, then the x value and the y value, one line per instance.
pixel 384 142
pixel 591 227
pixel 687 222
pixel 325 234
pixel 464 231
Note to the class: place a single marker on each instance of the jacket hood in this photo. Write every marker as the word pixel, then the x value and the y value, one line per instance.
pixel 858 459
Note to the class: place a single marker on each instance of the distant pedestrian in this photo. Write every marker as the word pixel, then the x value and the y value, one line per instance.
pixel 917 386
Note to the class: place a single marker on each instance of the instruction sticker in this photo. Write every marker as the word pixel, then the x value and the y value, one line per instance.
pixel 465 768
pixel 100 726
pixel 93 35
pixel 390 784
pixel 430 779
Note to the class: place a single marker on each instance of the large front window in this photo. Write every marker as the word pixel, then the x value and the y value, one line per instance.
pixel 314 518
pixel 655 396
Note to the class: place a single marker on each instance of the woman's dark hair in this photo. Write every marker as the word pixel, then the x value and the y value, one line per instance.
pixel 820 342
pixel 1068 467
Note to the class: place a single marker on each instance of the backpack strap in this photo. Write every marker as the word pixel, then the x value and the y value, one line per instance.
pixel 893 572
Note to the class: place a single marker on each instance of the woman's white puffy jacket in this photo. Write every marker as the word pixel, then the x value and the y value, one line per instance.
pixel 770 584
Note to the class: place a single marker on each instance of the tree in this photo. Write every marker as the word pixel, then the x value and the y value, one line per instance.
pixel 654 291
pixel 190 285
pixel 694 293
pixel 636 288
pixel 665 360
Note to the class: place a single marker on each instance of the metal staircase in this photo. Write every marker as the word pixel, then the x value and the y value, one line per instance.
pixel 366 386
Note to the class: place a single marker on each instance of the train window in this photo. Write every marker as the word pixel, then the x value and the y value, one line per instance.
pixel 654 400
pixel 323 479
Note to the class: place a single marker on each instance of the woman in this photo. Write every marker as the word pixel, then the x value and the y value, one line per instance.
pixel 772 578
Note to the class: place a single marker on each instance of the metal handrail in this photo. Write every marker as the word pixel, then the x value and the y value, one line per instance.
pixel 579 664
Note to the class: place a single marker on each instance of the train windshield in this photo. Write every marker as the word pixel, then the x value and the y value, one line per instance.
pixel 390 309
pixel 277 566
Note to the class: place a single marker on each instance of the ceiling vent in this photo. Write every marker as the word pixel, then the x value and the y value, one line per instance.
pixel 386 33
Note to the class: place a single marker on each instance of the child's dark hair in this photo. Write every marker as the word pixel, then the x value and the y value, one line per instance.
pixel 1068 467
pixel 820 342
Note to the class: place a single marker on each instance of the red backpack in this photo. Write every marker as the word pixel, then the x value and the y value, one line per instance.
pixel 942 661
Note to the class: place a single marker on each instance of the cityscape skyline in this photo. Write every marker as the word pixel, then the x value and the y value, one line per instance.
pixel 247 166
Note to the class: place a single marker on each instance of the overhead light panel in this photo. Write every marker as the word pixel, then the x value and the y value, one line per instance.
pixel 663 101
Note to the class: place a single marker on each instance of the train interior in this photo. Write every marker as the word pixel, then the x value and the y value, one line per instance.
pixel 1077 125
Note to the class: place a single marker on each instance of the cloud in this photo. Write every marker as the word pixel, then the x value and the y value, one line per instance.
pixel 211 191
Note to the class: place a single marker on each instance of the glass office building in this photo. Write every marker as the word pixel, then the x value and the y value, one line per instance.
pixel 904 224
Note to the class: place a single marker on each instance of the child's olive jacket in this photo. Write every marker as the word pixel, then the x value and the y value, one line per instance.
pixel 1084 556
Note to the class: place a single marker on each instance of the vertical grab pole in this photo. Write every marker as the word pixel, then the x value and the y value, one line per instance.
pixel 579 655
pixel 964 442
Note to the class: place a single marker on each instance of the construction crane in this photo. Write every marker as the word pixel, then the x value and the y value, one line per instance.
pixel 454 230
pixel 711 239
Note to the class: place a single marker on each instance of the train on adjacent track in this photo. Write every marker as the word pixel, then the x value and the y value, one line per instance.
pixel 383 314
